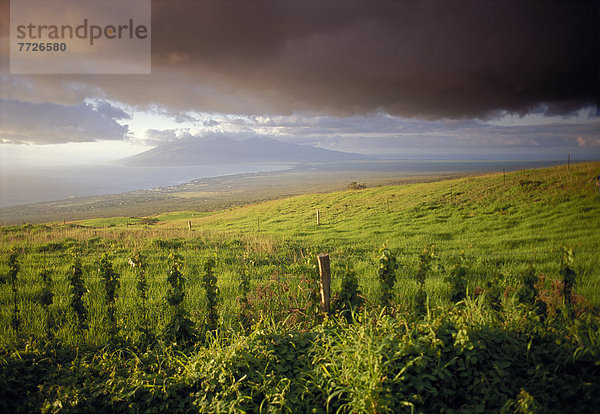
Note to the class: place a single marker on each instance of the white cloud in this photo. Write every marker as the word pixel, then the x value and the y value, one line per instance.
pixel 49 123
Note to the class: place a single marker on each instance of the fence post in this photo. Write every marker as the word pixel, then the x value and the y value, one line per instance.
pixel 190 225
pixel 324 281
pixel 317 217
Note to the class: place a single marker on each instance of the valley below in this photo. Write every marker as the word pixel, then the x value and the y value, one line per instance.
pixel 137 191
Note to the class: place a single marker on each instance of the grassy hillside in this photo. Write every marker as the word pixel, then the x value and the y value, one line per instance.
pixel 217 193
pixel 223 318
pixel 516 219
pixel 503 223
pixel 489 211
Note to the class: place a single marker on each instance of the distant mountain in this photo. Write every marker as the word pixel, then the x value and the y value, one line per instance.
pixel 224 150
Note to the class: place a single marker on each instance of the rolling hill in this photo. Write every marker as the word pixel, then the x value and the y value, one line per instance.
pixel 508 222
pixel 253 265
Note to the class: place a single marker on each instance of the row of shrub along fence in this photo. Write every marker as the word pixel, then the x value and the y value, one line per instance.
pixel 24 308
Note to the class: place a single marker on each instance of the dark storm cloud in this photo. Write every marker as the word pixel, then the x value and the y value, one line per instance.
pixel 49 123
pixel 425 59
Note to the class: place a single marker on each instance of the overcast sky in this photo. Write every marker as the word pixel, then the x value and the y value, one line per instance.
pixel 478 78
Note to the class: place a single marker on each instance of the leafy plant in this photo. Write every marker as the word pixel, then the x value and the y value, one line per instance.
pixel 180 328
pixel 245 316
pixel 14 267
pixel 568 274
pixel 458 279
pixel 111 284
pixel 523 404
pixel 349 299
pixel 138 263
pixel 46 296
pixel 78 289
pixel 356 186
pixel 529 294
pixel 46 299
pixel 312 281
pixel 148 221
pixel 427 263
pixel 388 265
pixel 209 282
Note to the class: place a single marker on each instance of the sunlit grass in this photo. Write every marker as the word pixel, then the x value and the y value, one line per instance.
pixel 504 225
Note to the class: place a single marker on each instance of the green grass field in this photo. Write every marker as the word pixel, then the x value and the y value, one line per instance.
pixel 503 225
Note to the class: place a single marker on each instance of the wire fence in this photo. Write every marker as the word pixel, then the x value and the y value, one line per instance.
pixel 293 267
pixel 279 301
pixel 290 265
pixel 266 260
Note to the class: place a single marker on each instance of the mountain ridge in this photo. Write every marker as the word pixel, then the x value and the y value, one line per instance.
pixel 225 150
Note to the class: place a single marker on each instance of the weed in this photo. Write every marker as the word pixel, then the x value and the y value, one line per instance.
pixel 524 403
pixel 568 274
pixel 530 295
pixel 209 282
pixel 138 263
pixel 78 289
pixel 349 299
pixel 427 263
pixel 458 279
pixel 46 299
pixel 111 284
pixel 13 272
pixel 180 328
pixel 244 315
pixel 388 265
pixel 356 186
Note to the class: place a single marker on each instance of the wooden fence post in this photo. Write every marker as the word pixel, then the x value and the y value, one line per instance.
pixel 324 282
pixel 190 225
pixel 318 218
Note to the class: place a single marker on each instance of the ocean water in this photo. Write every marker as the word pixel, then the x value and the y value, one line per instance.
pixel 40 184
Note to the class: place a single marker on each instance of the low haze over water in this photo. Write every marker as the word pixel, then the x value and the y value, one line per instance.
pixel 24 186
pixel 56 183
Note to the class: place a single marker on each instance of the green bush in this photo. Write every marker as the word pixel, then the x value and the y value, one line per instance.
pixel 349 299
pixel 465 358
pixel 180 328
pixel 388 265
pixel 78 289
pixel 209 282
pixel 111 284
